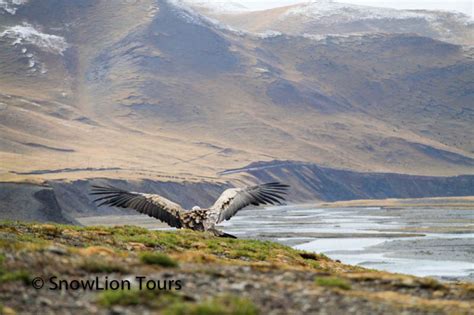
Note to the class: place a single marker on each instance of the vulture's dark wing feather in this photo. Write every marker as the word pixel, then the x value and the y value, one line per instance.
pixel 234 199
pixel 153 205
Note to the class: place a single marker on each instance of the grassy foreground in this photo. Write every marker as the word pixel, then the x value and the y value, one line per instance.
pixel 186 272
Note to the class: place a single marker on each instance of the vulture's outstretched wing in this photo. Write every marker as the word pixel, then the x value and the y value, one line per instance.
pixel 153 205
pixel 234 199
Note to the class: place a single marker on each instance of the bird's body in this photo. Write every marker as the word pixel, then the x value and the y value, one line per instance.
pixel 226 206
pixel 196 220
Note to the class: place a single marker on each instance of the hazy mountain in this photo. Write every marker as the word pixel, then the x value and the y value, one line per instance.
pixel 323 17
pixel 155 89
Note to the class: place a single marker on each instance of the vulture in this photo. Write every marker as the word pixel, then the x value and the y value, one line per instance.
pixel 226 206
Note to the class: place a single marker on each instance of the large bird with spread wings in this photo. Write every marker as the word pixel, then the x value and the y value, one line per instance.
pixel 225 207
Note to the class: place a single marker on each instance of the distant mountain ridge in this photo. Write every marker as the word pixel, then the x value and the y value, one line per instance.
pixel 323 17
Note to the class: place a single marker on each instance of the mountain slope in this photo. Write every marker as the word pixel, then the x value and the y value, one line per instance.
pixel 159 90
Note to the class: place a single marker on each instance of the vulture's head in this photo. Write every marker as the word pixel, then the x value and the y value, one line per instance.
pixel 196 208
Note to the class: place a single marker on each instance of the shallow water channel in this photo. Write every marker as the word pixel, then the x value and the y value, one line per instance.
pixel 423 241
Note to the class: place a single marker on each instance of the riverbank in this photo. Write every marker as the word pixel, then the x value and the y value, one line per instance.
pixel 242 276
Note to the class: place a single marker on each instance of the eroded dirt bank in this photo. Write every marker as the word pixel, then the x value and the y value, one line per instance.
pixel 309 183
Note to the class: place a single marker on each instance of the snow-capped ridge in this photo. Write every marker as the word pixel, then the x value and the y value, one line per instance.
pixel 219 6
pixel 322 9
pixel 189 15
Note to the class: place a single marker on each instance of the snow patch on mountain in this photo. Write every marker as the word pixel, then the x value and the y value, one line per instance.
pixel 11 6
pixel 268 34
pixel 27 34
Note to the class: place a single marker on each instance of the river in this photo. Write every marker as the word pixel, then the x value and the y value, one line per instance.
pixel 423 241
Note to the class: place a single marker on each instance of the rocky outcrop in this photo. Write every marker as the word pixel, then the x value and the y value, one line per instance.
pixel 31 202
